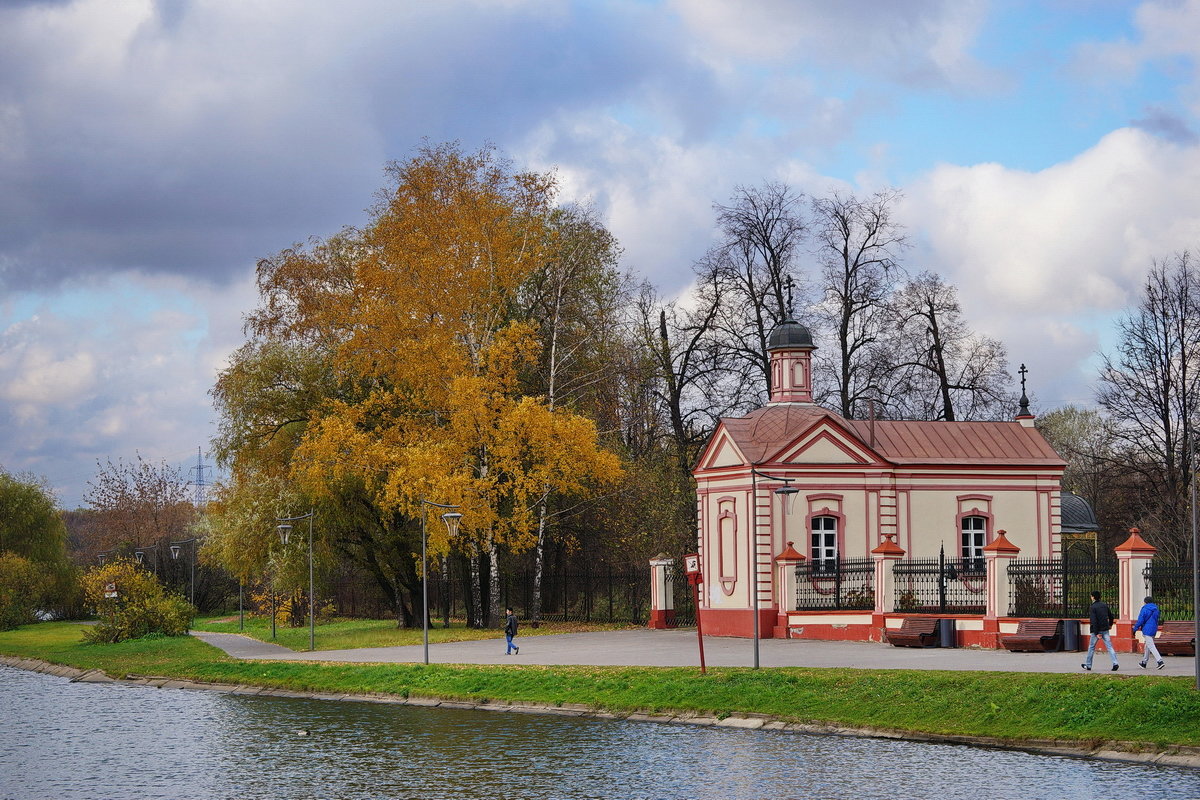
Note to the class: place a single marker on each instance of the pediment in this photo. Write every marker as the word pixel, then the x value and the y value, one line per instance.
pixel 721 452
pixel 825 444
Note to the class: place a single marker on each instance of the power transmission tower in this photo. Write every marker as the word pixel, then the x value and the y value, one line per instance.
pixel 201 482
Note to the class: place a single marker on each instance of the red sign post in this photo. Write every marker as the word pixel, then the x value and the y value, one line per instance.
pixel 691 565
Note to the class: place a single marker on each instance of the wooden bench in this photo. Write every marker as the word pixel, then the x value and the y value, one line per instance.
pixel 1035 635
pixel 1176 638
pixel 915 632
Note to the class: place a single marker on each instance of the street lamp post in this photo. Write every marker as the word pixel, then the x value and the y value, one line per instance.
pixel 753 537
pixel 176 548
pixel 1195 576
pixel 285 530
pixel 451 518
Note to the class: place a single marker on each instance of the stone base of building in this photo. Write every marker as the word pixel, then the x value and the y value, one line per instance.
pixel 867 626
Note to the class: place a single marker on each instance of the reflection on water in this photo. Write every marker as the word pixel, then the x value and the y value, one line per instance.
pixel 74 740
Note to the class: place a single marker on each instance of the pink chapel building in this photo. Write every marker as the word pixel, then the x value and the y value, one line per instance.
pixel 857 489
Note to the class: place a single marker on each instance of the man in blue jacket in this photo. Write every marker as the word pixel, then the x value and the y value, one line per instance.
pixel 1147 623
pixel 1101 619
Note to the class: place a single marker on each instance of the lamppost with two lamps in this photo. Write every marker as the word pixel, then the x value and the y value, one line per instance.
pixel 451 518
pixel 285 530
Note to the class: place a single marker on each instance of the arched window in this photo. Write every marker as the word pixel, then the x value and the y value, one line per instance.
pixel 974 536
pixel 824 551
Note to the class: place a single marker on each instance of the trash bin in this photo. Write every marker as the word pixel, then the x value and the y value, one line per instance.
pixel 946 633
pixel 1070 637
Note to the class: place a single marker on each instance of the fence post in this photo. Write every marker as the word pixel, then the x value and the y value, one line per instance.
pixel 886 555
pixel 997 554
pixel 787 565
pixel 1133 556
pixel 662 596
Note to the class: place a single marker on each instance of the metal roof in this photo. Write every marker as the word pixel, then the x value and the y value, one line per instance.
pixel 762 433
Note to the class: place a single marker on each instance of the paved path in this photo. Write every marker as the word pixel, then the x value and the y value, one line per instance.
pixel 675 648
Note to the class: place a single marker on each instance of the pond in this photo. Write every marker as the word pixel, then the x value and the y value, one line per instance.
pixel 81 740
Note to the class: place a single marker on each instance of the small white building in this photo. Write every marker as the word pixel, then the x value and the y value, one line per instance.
pixel 852 485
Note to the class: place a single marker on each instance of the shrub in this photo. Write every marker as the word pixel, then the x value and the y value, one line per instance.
pixel 141 607
pixel 23 587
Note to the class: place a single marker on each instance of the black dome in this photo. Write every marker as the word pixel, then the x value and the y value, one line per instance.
pixel 790 333
pixel 1076 514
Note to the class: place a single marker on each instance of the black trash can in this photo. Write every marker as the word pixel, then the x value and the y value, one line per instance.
pixel 946 633
pixel 1070 637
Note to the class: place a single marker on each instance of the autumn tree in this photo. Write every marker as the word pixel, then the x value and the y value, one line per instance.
pixel 575 302
pixel 140 505
pixel 417 353
pixel 35 573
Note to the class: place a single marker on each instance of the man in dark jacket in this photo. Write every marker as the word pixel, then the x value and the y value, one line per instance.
pixel 510 630
pixel 1101 619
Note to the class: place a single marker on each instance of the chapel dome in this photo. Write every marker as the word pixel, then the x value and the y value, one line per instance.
pixel 789 334
pixel 1076 514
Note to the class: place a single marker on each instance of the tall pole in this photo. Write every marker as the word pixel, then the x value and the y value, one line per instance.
pixel 312 635
pixel 193 586
pixel 1195 576
pixel 424 585
pixel 752 563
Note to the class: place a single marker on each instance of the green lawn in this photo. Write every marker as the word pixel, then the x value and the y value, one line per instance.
pixel 1148 709
pixel 345 633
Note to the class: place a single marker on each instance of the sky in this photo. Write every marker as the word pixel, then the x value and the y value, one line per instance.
pixel 151 152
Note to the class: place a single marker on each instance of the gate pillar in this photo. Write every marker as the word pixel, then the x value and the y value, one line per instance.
pixel 787 564
pixel 886 555
pixel 662 592
pixel 1133 556
pixel 997 554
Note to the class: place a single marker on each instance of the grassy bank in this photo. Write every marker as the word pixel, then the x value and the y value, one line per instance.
pixel 1011 706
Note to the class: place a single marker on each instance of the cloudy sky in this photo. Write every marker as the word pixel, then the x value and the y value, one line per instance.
pixel 150 152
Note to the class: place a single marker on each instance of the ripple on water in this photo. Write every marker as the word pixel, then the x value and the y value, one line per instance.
pixel 78 740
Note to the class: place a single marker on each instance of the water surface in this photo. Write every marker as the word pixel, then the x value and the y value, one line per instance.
pixel 80 740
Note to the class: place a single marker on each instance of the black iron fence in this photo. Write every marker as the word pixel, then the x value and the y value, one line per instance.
pixel 1060 587
pixel 681 593
pixel 599 593
pixel 1171 585
pixel 940 586
pixel 842 584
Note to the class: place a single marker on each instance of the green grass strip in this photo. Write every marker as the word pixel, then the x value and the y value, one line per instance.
pixel 1085 709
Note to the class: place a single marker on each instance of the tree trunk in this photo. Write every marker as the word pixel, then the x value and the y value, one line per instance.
pixel 539 556
pixel 493 583
pixel 476 601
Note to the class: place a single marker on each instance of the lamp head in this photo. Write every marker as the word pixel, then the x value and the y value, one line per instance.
pixel 285 532
pixel 140 556
pixel 451 518
pixel 175 552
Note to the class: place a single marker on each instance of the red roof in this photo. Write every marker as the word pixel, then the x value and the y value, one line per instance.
pixel 761 433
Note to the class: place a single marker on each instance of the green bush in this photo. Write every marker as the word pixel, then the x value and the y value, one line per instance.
pixel 23 586
pixel 141 608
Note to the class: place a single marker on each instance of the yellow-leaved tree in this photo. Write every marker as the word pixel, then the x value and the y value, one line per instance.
pixel 418 394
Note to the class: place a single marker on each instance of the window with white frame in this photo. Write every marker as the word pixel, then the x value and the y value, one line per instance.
pixel 824 543
pixel 974 533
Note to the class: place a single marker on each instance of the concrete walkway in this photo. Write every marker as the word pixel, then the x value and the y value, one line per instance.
pixel 677 648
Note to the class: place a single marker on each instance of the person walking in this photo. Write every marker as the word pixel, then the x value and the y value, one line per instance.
pixel 1147 623
pixel 1101 619
pixel 510 630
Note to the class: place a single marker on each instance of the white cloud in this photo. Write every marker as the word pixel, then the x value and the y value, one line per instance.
pixel 1040 257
